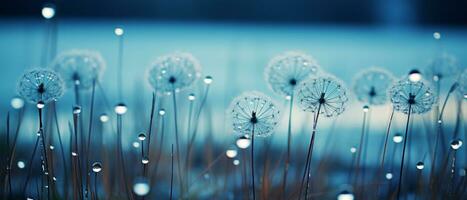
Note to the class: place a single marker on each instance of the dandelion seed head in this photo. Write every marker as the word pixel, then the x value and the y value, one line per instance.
pixel 40 85
pixel 80 67
pixel 254 110
pixel 444 65
pixel 417 95
pixel 371 86
pixel 288 70
pixel 96 167
pixel 325 93
pixel 176 71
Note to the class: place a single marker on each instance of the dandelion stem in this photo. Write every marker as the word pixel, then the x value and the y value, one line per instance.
pixel 65 174
pixel 88 171
pixel 174 101
pixel 195 130
pixel 403 152
pixel 44 148
pixel 253 162
pixel 306 171
pixel 122 159
pixel 383 156
pixel 287 158
pixel 359 151
pixel 153 105
pixel 172 172
pixel 120 68
pixel 31 159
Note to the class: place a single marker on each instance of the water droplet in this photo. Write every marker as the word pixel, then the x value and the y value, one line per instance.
pixel 120 109
pixel 389 175
pixel 345 195
pixel 96 167
pixel 437 35
pixel 54 178
pixel 366 108
pixel 208 80
pixel 236 162
pixel 118 31
pixel 353 149
pixel 141 137
pixel 435 78
pixel 40 104
pixel 161 112
pixel 206 176
pixel 74 154
pixel 141 187
pixel 76 110
pixel 288 97
pixel 17 103
pixel 21 164
pixel 397 138
pixel 420 165
pixel 462 172
pixel 136 144
pixel 191 97
pixel 48 11
pixel 104 118
pixel 243 142
pixel 440 121
pixel 415 75
pixel 29 198
pixel 51 147
pixel 231 152
pixel 145 160
pixel 456 144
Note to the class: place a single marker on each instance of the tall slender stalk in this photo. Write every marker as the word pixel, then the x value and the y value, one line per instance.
pixel 172 172
pixel 88 146
pixel 306 171
pixel 65 173
pixel 287 157
pixel 122 158
pixel 44 159
pixel 403 152
pixel 174 102
pixel 383 156
pixel 359 151
pixel 253 161
pixel 153 105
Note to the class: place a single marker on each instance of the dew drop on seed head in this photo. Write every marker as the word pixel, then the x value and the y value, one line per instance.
pixel 40 104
